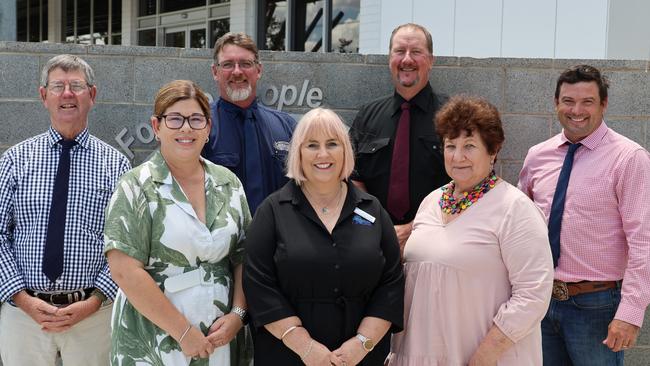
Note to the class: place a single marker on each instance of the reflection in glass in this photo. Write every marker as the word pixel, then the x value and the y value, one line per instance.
pixel 116 22
pixel 218 28
pixel 308 33
pixel 219 1
pixel 34 21
pixel 275 21
pixel 174 5
pixel 147 37
pixel 197 38
pixel 68 20
pixel 44 20
pixel 100 21
pixel 145 7
pixel 83 19
pixel 21 20
pixel 175 39
pixel 345 32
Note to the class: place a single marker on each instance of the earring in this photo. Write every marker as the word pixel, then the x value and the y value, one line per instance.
pixel 157 138
pixel 207 139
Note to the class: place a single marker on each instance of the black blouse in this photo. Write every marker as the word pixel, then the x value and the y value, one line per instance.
pixel 295 267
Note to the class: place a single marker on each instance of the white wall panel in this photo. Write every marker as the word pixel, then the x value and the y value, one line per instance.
pixel 581 29
pixel 438 17
pixel 369 26
pixel 478 28
pixel 528 28
pixel 393 13
pixel 629 30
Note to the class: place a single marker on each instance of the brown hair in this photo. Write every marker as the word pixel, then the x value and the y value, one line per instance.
pixel 583 73
pixel 242 40
pixel 178 90
pixel 427 35
pixel 471 114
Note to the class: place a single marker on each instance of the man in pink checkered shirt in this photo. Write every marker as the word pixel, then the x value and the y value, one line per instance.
pixel 602 274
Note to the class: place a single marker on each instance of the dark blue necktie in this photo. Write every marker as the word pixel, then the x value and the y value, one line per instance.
pixel 53 253
pixel 557 208
pixel 253 162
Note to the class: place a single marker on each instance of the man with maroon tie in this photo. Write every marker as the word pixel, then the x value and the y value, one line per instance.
pixel 398 154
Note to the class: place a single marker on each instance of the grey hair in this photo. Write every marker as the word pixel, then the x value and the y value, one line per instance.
pixel 68 63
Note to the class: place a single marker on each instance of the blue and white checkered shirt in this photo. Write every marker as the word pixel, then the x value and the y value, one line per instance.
pixel 27 173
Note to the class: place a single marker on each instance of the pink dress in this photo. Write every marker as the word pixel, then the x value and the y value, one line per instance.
pixel 491 265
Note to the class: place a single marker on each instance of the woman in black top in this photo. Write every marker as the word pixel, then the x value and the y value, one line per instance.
pixel 322 273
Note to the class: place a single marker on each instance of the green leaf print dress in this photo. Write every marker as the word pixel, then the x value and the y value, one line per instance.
pixel 150 219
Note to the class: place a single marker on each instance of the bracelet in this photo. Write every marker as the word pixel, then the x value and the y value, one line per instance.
pixel 289 330
pixel 184 333
pixel 311 345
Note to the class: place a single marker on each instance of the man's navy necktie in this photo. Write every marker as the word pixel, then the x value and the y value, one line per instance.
pixel 398 201
pixel 53 253
pixel 557 208
pixel 253 162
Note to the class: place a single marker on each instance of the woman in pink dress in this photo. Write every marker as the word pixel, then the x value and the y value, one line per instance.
pixel 478 264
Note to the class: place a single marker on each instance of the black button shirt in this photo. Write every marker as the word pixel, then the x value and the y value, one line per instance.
pixel 373 135
pixel 295 267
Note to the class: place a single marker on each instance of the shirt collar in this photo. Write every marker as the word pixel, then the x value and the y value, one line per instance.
pixel 233 108
pixel 421 100
pixel 82 138
pixel 291 192
pixel 160 171
pixel 592 141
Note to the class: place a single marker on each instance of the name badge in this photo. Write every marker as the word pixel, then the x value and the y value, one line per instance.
pixel 365 215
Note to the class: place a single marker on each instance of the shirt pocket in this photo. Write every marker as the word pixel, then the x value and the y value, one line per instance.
pixel 229 160
pixel 373 158
pixel 432 146
pixel 94 199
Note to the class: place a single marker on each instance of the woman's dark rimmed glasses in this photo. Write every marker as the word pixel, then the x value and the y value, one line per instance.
pixel 175 121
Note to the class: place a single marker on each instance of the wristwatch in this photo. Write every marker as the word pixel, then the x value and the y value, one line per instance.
pixel 240 312
pixel 367 343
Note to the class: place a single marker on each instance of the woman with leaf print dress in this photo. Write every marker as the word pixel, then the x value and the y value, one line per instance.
pixel 173 235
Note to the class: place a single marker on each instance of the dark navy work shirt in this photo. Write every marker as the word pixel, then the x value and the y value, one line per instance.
pixel 227 146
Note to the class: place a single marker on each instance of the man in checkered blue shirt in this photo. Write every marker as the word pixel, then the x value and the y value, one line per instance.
pixel 68 312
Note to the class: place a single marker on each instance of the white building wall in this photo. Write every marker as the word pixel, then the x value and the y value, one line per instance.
pixel 508 28
pixel 628 20
pixel 369 25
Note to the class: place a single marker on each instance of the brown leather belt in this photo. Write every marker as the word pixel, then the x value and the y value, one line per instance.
pixel 563 290
pixel 62 298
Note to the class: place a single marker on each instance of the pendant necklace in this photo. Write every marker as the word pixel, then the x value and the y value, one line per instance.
pixel 324 209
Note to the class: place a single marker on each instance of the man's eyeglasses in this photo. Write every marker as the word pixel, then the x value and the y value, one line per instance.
pixel 175 121
pixel 243 64
pixel 76 86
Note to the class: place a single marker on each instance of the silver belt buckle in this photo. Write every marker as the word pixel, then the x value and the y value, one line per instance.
pixel 560 291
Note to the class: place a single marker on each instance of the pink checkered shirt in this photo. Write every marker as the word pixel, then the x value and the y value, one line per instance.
pixel 606 224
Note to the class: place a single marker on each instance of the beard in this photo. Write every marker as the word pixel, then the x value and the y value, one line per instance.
pixel 411 83
pixel 239 94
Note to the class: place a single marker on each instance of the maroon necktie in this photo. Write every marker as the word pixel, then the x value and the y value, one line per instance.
pixel 398 186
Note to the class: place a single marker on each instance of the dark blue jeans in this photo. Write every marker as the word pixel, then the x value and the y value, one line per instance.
pixel 573 330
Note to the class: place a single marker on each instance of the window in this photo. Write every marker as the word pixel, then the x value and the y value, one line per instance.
pixel 31 20
pixel 187 23
pixel 92 21
pixel 307 22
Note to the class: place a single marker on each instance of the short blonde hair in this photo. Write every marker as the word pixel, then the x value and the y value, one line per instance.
pixel 319 120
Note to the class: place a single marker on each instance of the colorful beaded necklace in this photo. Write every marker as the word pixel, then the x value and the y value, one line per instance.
pixel 450 205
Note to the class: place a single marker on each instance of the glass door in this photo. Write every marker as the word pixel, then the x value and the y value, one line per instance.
pixel 197 36
pixel 175 36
